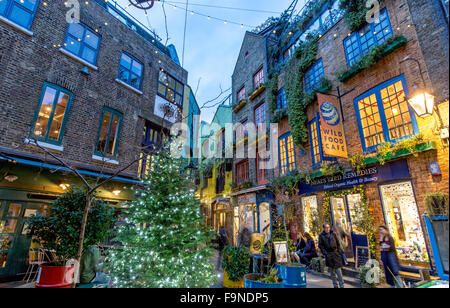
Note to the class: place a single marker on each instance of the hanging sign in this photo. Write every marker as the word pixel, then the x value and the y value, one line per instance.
pixel 332 130
pixel 143 4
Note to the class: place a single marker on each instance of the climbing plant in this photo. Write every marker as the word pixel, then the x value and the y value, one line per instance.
pixel 272 88
pixel 355 12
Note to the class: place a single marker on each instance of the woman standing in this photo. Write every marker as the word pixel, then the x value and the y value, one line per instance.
pixel 389 258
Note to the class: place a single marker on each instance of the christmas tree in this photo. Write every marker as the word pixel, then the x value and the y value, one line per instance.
pixel 164 243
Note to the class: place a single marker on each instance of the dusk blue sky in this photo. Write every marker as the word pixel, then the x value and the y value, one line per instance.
pixel 212 47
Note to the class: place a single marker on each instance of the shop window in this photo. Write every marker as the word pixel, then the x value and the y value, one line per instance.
pixel 383 114
pixel 360 42
pixel 170 88
pixel 258 78
pixel 260 115
pixel 241 94
pixel 310 209
pixel 281 99
pixel 354 204
pixel 403 220
pixel 262 176
pixel 130 71
pixel 314 75
pixel 287 153
pixel 108 136
pixel 242 173
pixel 20 12
pixel 315 139
pixel 82 42
pixel 51 115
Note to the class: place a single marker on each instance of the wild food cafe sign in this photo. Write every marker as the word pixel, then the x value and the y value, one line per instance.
pixel 388 172
pixel 331 128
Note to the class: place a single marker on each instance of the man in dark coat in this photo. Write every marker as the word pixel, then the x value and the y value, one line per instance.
pixel 329 246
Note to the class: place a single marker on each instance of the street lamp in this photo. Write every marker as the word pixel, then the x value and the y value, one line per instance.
pixel 422 102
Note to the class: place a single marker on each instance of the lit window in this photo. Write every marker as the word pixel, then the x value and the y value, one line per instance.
pixel 258 78
pixel 108 136
pixel 52 113
pixel 313 76
pixel 241 94
pixel 383 114
pixel 281 99
pixel 242 174
pixel 20 12
pixel 360 42
pixel 130 71
pixel 315 140
pixel 260 115
pixel 170 88
pixel 287 154
pixel 82 42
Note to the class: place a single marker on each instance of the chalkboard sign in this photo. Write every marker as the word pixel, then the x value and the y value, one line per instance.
pixel 362 256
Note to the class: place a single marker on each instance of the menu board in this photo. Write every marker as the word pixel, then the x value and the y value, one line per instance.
pixel 362 256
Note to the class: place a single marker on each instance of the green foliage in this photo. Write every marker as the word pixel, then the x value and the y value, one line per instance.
pixel 164 240
pixel 357 161
pixel 331 169
pixel 271 277
pixel 60 229
pixel 236 261
pixel 272 88
pixel 355 13
pixel 437 203
pixel 383 150
pixel 370 59
pixel 315 222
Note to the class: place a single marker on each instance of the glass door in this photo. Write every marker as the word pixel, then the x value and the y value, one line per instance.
pixel 403 220
pixel 264 220
pixel 10 213
pixel 340 215
pixel 310 211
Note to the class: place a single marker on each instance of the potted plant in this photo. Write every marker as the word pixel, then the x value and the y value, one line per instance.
pixel 437 204
pixel 263 281
pixel 235 263
pixel 59 232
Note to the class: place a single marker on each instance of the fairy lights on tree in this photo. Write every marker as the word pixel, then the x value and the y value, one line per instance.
pixel 164 241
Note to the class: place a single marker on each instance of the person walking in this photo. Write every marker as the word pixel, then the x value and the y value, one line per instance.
pixel 342 237
pixel 329 246
pixel 389 258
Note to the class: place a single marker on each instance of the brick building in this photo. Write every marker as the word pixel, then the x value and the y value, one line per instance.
pixel 251 114
pixel 412 50
pixel 94 93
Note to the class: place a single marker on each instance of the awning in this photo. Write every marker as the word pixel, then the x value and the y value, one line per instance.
pixel 64 169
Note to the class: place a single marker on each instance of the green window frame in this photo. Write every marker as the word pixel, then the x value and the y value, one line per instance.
pixel 51 115
pixel 108 133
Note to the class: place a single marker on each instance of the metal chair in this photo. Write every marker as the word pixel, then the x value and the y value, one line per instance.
pixel 34 263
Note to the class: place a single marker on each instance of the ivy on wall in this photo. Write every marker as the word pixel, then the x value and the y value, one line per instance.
pixel 305 56
pixel 364 219
pixel 272 87
pixel 355 12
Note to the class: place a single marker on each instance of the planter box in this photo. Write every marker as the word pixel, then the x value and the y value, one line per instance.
pixel 427 146
pixel 293 276
pixel 257 92
pixel 240 105
pixel 251 283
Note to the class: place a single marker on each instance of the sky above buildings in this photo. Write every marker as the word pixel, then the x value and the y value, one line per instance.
pixel 211 46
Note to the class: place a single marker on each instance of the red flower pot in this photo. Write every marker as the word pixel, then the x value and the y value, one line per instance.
pixel 56 277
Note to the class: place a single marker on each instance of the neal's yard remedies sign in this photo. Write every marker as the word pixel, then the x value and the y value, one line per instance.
pixel 332 130
pixel 388 172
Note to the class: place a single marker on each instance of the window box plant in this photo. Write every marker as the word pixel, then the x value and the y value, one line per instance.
pixel 59 232
pixel 235 263
pixel 260 89
pixel 241 104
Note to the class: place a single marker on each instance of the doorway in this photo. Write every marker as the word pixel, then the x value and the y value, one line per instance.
pixel 345 211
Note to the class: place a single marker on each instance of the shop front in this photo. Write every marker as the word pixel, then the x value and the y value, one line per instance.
pixel 30 192
pixel 252 214
pixel 344 198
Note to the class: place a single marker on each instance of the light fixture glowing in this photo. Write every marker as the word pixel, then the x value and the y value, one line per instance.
pixel 64 185
pixel 422 102
pixel 116 192
pixel 11 177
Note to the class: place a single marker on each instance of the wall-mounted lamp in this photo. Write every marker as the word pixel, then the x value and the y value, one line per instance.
pixel 11 177
pixel 116 192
